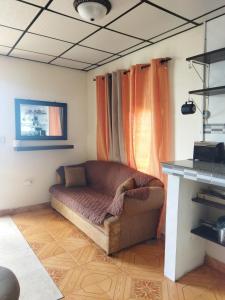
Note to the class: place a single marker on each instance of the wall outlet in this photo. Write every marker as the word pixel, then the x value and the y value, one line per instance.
pixel 28 182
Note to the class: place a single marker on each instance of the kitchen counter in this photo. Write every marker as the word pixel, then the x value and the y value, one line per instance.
pixel 212 173
pixel 185 251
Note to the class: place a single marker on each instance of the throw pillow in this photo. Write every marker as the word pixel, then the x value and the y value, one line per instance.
pixel 127 185
pixel 75 176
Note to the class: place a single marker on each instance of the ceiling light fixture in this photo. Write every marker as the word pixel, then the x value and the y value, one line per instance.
pixel 92 10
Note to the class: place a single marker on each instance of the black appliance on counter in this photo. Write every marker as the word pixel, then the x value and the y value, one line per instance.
pixel 209 152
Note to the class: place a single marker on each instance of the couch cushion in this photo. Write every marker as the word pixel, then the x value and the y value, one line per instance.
pixel 108 175
pixel 127 185
pixel 86 201
pixel 61 171
pixel 75 176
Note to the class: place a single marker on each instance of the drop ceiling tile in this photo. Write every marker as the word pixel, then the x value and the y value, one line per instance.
pixel 108 60
pixel 146 21
pixel 38 2
pixel 4 50
pixel 86 54
pixel 31 55
pixel 110 41
pixel 17 14
pixel 172 32
pixel 60 27
pixel 211 15
pixel 191 8
pixel 8 37
pixel 70 63
pixel 118 8
pixel 135 48
pixel 42 44
pixel 91 67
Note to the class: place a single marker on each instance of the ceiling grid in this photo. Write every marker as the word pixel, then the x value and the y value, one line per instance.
pixel 52 32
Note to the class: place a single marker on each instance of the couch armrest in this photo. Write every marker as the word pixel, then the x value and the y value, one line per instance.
pixel 134 206
pixel 58 179
pixel 141 193
pixel 109 225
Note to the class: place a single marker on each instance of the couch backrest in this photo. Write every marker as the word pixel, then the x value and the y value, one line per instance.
pixel 107 176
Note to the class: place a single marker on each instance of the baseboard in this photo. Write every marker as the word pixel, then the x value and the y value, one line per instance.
pixel 215 264
pixel 13 211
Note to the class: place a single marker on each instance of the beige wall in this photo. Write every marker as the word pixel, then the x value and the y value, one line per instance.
pixel 24 79
pixel 187 129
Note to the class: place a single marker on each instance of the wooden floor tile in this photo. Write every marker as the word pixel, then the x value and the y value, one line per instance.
pixel 84 254
pixel 82 270
pixel 49 249
pixel 42 237
pixel 70 244
pixel 60 262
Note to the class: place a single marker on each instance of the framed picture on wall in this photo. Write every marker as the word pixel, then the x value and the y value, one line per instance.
pixel 40 120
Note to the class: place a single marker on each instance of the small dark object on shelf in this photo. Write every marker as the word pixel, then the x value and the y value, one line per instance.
pixel 209 152
pixel 214 232
pixel 220 225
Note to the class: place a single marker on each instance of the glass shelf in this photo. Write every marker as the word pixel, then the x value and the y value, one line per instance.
pixel 219 90
pixel 209 57
pixel 209 203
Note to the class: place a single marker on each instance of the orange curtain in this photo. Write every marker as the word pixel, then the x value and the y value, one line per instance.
pixel 55 127
pixel 127 119
pixel 162 133
pixel 102 118
pixel 146 124
pixel 145 120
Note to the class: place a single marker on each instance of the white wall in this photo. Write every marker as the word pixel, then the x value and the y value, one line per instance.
pixel 187 129
pixel 216 40
pixel 29 80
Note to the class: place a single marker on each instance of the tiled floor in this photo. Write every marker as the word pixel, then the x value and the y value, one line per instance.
pixel 82 271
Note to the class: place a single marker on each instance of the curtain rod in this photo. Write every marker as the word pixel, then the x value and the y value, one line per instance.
pixel 163 60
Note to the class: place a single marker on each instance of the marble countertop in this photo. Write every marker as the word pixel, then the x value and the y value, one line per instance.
pixel 211 173
pixel 214 168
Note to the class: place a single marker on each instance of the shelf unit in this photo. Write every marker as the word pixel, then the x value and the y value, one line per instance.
pixel 209 203
pixel 209 57
pixel 203 231
pixel 218 90
pixel 207 233
pixel 205 59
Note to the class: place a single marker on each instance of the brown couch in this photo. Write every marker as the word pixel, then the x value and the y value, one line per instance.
pixel 111 222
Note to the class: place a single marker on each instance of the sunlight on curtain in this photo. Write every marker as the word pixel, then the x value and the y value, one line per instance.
pixel 142 129
pixel 141 120
pixel 146 124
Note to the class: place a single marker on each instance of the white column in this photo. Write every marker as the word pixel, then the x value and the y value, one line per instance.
pixel 184 251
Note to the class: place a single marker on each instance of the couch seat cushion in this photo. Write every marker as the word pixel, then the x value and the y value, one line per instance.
pixel 88 202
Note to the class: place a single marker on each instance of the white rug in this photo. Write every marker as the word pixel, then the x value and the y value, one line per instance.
pixel 16 255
